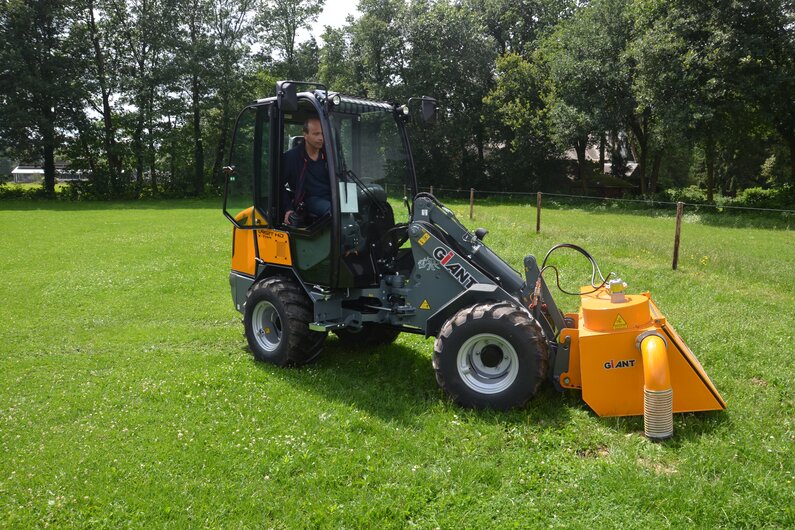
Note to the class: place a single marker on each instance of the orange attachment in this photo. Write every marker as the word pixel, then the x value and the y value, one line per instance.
pixel 612 369
pixel 599 313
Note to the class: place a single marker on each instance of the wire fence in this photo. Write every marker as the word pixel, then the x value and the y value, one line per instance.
pixel 652 203
pixel 511 196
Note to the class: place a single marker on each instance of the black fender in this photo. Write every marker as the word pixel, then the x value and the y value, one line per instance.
pixel 478 293
pixel 268 270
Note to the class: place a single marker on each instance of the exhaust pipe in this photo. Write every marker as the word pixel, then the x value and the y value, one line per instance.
pixel 658 416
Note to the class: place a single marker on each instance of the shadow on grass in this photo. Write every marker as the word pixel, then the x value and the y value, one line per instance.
pixel 397 383
pixel 688 427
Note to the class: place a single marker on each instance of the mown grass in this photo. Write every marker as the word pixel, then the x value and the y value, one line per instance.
pixel 128 399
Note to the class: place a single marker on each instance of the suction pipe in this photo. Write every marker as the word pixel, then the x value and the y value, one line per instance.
pixel 658 417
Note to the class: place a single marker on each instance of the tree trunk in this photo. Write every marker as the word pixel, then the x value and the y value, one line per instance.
pixel 150 111
pixel 640 132
pixel 152 165
pixel 172 159
pixel 655 172
pixel 220 150
pixel 48 146
pixel 579 147
pixel 602 153
pixel 709 154
pixel 138 147
pixel 791 144
pixel 109 140
pixel 138 140
pixel 82 135
pixel 198 148
pixel 480 140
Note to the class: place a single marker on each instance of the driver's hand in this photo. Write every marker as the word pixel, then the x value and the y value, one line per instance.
pixel 287 217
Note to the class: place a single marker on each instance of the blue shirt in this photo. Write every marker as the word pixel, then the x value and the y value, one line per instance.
pixel 306 177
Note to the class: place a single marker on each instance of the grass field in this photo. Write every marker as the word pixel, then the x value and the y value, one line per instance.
pixel 127 397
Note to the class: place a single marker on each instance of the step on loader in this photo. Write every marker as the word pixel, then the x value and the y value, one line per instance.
pixel 366 274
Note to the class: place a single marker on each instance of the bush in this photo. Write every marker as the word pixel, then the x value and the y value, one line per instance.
pixel 691 195
pixel 779 198
pixel 14 192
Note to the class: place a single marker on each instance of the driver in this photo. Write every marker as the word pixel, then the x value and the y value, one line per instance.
pixel 305 173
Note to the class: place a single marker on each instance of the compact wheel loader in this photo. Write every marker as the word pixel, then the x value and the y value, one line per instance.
pixel 365 275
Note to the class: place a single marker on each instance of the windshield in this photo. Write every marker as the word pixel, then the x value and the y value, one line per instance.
pixel 369 144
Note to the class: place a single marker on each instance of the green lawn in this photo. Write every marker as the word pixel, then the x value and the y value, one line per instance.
pixel 127 397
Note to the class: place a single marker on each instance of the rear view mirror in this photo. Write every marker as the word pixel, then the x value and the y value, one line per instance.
pixel 428 110
pixel 286 96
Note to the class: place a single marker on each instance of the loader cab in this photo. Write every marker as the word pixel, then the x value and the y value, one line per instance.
pixel 368 160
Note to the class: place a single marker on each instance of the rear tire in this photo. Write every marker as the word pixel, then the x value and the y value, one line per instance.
pixel 491 355
pixel 368 336
pixel 276 321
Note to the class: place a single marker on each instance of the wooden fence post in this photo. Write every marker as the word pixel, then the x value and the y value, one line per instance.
pixel 431 190
pixel 538 212
pixel 471 202
pixel 680 206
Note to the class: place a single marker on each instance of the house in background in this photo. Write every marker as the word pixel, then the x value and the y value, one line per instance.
pixel 603 181
pixel 35 173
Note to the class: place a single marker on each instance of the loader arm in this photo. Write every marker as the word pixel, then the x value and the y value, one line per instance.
pixel 429 215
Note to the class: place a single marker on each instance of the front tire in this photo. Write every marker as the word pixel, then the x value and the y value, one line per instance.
pixel 276 322
pixel 491 355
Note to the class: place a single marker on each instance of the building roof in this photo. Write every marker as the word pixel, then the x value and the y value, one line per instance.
pixel 19 170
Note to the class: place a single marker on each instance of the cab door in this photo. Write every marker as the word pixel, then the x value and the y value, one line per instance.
pixel 249 186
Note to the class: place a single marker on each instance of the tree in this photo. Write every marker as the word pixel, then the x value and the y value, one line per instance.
pixel 518 25
pixel 447 54
pixel 143 28
pixel 280 21
pixel 231 32
pixel 194 52
pixel 99 84
pixel 687 71
pixel 589 89
pixel 335 69
pixel 767 65
pixel 515 117
pixel 32 92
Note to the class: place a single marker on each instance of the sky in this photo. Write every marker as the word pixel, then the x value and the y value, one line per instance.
pixel 334 14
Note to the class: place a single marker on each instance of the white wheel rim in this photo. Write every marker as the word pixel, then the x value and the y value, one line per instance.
pixel 267 326
pixel 487 363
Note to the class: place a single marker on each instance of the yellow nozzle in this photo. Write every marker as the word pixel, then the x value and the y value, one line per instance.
pixel 658 417
pixel 656 375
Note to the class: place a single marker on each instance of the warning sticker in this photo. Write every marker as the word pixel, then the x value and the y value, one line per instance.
pixel 424 239
pixel 620 323
pixel 425 304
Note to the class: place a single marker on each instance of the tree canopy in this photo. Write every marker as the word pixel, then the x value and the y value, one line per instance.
pixel 142 95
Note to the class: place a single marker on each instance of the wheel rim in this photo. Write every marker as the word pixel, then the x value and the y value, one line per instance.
pixel 267 326
pixel 487 363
